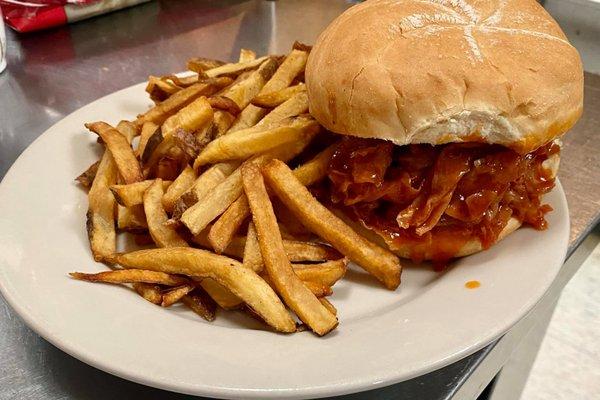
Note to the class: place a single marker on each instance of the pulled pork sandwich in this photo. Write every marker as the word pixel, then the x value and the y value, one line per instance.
pixel 451 112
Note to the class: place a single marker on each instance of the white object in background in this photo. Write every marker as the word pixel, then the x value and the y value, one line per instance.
pixel 2 44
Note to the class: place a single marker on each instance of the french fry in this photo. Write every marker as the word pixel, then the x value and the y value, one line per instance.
pixel 127 164
pixel 234 68
pixel 150 138
pixel 222 122
pixel 297 296
pixel 101 210
pixel 160 89
pixel 290 67
pixel 172 296
pixel 148 291
pixel 225 104
pixel 86 178
pixel 243 90
pixel 246 56
pixel 295 105
pixel 162 234
pixel 247 118
pixel 328 305
pixel 316 288
pixel 184 181
pixel 379 262
pixel 243 282
pixel 132 276
pixel 159 113
pixel 203 64
pixel 226 226
pixel 221 295
pixel 276 98
pixel 201 303
pixel 326 273
pixel 198 216
pixel 190 118
pixel 315 169
pixel 252 256
pixel 248 142
pixel 131 219
pixel 206 182
pixel 128 130
pixel 167 167
pixel 132 194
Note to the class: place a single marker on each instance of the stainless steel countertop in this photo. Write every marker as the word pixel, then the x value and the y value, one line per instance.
pixel 51 74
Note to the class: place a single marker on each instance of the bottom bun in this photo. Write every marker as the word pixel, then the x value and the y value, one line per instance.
pixel 405 250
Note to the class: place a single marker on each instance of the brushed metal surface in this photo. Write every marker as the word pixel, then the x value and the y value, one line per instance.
pixel 52 73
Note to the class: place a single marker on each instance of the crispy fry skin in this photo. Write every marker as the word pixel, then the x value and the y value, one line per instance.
pixel 248 85
pixel 248 142
pixel 148 291
pixel 297 296
pixel 225 104
pixel 243 282
pixel 294 106
pixel 127 163
pixel 132 194
pixel 201 303
pixel 184 181
pixel 315 169
pixel 150 137
pixel 159 113
pixel 226 226
pixel 252 257
pixel 128 129
pixel 190 118
pixel 132 276
pixel 326 273
pixel 86 178
pixel 162 234
pixel 101 210
pixel 292 65
pixel 131 219
pixel 172 296
pixel 234 68
pixel 379 262
pixel 276 98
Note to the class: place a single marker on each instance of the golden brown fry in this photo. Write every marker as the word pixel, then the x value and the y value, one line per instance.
pixel 162 234
pixel 295 105
pixel 252 256
pixel 290 67
pixel 149 291
pixel 297 296
pixel 131 219
pixel 234 68
pixel 101 210
pixel 201 303
pixel 225 104
pixel 326 273
pixel 221 295
pixel 159 113
pixel 190 118
pixel 86 178
pixel 248 86
pixel 128 129
pixel 184 181
pixel 318 289
pixel 301 46
pixel 328 305
pixel 206 182
pixel 247 118
pixel 380 262
pixel 188 142
pixel 315 169
pixel 226 226
pixel 222 122
pixel 127 164
pixel 246 56
pixel 132 276
pixel 203 64
pixel 132 194
pixel 160 89
pixel 172 296
pixel 150 139
pixel 248 142
pixel 276 98
pixel 243 282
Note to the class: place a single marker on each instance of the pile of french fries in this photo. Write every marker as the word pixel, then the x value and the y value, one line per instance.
pixel 203 176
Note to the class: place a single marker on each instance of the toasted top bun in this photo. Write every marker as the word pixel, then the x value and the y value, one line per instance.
pixel 440 71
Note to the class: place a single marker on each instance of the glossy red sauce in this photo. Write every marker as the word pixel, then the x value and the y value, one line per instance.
pixel 438 197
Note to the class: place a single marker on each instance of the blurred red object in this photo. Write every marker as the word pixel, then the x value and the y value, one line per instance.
pixel 33 15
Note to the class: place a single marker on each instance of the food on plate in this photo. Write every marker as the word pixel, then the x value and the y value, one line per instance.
pixel 450 114
pixel 132 276
pixel 129 195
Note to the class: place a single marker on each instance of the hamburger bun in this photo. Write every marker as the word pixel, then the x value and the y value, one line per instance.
pixel 408 71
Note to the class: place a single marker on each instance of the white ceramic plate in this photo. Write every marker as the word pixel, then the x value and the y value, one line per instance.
pixel 384 337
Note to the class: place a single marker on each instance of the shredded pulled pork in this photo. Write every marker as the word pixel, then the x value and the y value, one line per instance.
pixel 442 195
